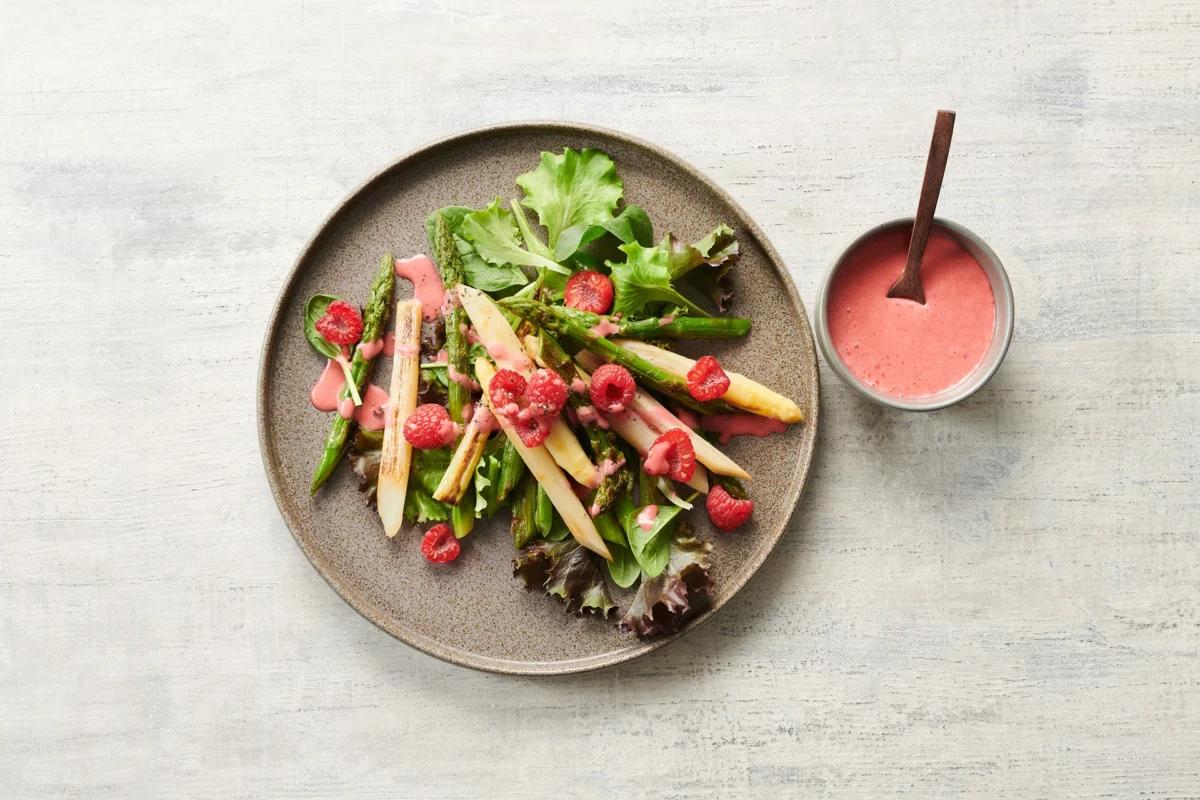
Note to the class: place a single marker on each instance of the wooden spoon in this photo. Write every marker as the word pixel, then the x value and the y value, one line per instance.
pixel 909 286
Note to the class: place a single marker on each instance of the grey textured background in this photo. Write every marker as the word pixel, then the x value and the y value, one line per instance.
pixel 999 600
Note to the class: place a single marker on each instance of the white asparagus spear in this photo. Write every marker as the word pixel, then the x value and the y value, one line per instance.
pixel 549 475
pixel 502 344
pixel 743 392
pixel 396 458
pixel 630 426
pixel 660 418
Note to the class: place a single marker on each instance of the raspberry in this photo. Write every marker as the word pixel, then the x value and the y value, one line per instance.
pixel 428 426
pixel 589 291
pixel 612 388
pixel 672 455
pixel 439 545
pixel 547 392
pixel 341 324
pixel 706 380
pixel 506 388
pixel 532 429
pixel 726 511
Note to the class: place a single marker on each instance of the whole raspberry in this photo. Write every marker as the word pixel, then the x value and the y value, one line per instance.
pixel 532 428
pixel 429 426
pixel 547 392
pixel 726 511
pixel 439 545
pixel 706 380
pixel 589 291
pixel 506 389
pixel 673 455
pixel 341 324
pixel 612 388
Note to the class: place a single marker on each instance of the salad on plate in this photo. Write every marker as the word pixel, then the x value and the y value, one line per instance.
pixel 533 373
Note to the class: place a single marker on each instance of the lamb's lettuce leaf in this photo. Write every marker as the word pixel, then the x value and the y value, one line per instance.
pixel 496 238
pixel 578 187
pixel 479 273
pixel 624 569
pixel 566 571
pixel 663 604
pixel 651 547
pixel 314 309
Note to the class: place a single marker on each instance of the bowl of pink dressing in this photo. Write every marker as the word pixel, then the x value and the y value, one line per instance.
pixel 903 354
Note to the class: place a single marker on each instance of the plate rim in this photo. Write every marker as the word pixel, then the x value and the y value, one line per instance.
pixel 457 656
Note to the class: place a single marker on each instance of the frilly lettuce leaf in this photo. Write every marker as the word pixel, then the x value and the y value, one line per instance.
pixel 579 187
pixel 365 454
pixel 427 468
pixel 664 604
pixel 487 477
pixel 717 252
pixel 644 279
pixel 494 233
pixel 566 571
pixel 478 272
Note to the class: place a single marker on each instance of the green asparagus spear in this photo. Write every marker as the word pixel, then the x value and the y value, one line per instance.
pixel 375 316
pixel 524 502
pixel 543 512
pixel 558 321
pixel 450 264
pixel 512 468
pixel 602 442
pixel 666 327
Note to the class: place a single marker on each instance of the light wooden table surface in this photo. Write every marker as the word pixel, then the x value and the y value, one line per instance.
pixel 995 601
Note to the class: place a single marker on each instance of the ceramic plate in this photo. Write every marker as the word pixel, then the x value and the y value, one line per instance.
pixel 474 612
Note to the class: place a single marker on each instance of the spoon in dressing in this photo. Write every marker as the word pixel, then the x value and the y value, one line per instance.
pixel 909 285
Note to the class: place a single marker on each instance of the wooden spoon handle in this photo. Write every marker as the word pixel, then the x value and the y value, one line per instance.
pixel 935 170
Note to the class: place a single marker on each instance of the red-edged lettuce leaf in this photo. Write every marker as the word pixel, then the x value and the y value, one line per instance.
pixel 365 454
pixel 566 571
pixel 663 605
pixel 716 253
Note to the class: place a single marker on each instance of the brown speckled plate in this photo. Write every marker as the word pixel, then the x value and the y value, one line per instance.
pixel 474 612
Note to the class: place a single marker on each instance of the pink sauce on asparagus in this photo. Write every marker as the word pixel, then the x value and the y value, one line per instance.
pixel 325 397
pixel 604 328
pixel 420 271
pixel 386 345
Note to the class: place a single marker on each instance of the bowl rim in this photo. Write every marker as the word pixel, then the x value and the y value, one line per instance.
pixel 991 265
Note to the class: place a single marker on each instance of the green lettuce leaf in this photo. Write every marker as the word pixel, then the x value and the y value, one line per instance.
pixel 651 547
pixel 478 272
pixel 566 571
pixel 631 225
pixel 495 235
pixel 664 604
pixel 644 279
pixel 579 187
pixel 426 473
